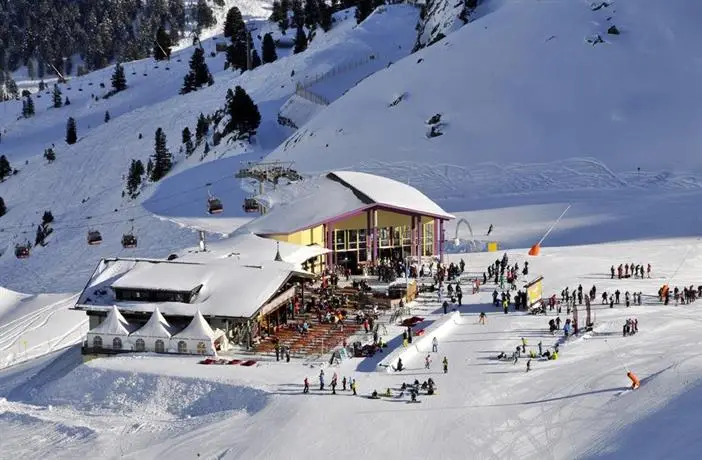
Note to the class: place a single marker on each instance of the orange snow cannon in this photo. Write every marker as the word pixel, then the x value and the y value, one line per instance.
pixel 634 380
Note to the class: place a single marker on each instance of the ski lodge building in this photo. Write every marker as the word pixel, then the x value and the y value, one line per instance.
pixel 200 300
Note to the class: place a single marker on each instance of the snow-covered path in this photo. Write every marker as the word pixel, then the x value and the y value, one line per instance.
pixel 575 407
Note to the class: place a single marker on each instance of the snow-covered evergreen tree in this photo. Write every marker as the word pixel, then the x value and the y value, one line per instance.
pixel 71 131
pixel 162 158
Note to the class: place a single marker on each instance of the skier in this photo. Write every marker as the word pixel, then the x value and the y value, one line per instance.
pixel 333 384
pixel 306 389
pixel 634 380
pixel 400 366
pixel 321 379
pixel 540 351
pixel 528 367
pixel 445 362
pixel 353 386
pixel 481 319
pixel 427 362
pixel 277 351
pixel 434 345
pixel 489 230
pixel 524 344
pixel 343 384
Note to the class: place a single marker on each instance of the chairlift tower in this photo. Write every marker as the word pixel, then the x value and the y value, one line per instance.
pixel 267 172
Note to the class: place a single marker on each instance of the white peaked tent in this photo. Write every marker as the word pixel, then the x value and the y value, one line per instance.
pixel 197 338
pixel 111 333
pixel 154 335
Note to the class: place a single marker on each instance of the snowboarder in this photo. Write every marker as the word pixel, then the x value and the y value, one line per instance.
pixel 489 230
pixel 445 362
pixel 427 362
pixel 434 345
pixel 481 319
pixel 306 389
pixel 353 386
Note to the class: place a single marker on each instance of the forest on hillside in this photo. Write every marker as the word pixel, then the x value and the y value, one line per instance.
pixel 45 33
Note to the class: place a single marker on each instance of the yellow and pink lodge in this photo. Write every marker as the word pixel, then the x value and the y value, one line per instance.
pixel 361 218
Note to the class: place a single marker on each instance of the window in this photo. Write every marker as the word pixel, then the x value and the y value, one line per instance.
pixel 353 239
pixel 340 240
pixel 140 345
pixel 201 348
pixel 406 235
pixel 159 346
pixel 182 347
pixel 117 343
pixel 384 237
pixel 362 239
pixel 397 236
pixel 97 342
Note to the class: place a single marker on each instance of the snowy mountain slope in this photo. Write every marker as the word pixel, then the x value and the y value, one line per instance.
pixel 83 186
pixel 520 90
pixel 574 407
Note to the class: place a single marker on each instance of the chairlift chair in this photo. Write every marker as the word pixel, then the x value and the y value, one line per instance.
pixel 250 205
pixel 129 240
pixel 214 204
pixel 22 251
pixel 94 237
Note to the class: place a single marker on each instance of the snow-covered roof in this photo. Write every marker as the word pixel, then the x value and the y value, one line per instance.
pixel 198 329
pixel 176 276
pixel 230 287
pixel 250 248
pixel 389 192
pixel 320 199
pixel 114 324
pixel 156 326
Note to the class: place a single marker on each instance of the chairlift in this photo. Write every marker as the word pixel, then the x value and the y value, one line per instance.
pixel 129 240
pixel 250 205
pixel 214 204
pixel 94 237
pixel 22 251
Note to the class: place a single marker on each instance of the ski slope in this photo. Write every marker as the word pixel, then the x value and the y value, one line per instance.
pixel 527 104
pixel 574 407
pixel 83 187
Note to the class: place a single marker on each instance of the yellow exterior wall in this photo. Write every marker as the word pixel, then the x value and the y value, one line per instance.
pixel 314 235
pixel 392 219
pixel 352 223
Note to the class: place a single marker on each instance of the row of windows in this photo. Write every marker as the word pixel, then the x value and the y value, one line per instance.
pixel 140 345
pixel 351 240
pixel 146 295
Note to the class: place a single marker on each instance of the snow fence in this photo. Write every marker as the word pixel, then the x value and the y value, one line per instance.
pixel 422 344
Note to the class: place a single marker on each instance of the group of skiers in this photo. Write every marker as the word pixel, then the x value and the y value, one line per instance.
pixel 630 270
pixel 683 297
pixel 522 350
pixel 333 384
pixel 631 327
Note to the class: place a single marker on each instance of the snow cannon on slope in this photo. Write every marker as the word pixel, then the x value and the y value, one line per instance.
pixel 536 249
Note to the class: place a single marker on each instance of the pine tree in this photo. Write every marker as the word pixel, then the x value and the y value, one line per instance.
pixel 300 41
pixel 298 13
pixel 3 208
pixel 28 107
pixel 119 81
pixel 268 49
pixel 244 115
pixel 162 45
pixel 202 128
pixel 107 116
pixel 255 59
pixel 363 10
pixel 5 168
pixel 68 101
pixel 204 15
pixel 233 23
pixel 199 72
pixel 71 134
pixel 50 155
pixel 283 22
pixel 58 101
pixel 149 167
pixel 188 142
pixel 325 16
pixel 188 84
pixel 162 157
pixel 236 51
pixel 311 13
pixel 207 148
pixel 134 177
pixel 376 3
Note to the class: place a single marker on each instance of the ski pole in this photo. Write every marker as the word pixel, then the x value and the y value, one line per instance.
pixel 617 356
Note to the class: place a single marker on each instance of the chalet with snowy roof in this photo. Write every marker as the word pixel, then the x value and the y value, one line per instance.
pixel 203 299
pixel 360 218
